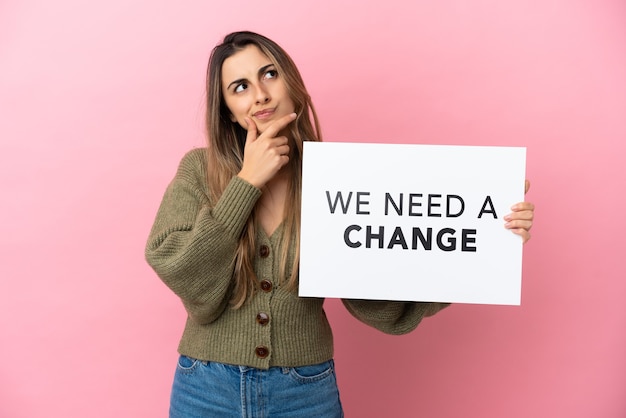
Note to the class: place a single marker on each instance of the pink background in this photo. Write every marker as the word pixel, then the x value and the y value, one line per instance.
pixel 99 100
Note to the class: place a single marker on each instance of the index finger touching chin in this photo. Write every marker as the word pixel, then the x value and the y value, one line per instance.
pixel 277 126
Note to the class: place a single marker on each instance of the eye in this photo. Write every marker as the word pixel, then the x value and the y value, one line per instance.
pixel 240 87
pixel 270 74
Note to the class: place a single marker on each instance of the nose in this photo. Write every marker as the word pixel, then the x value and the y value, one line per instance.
pixel 262 95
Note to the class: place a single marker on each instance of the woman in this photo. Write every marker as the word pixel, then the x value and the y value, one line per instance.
pixel 226 241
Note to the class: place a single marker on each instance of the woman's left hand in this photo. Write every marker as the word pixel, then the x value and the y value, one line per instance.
pixel 520 220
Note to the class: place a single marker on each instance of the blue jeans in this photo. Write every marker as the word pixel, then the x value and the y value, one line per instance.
pixel 209 389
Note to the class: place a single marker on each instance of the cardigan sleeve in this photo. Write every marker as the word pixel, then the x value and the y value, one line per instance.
pixel 392 317
pixel 192 246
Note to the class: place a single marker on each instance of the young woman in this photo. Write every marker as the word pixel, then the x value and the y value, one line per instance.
pixel 226 241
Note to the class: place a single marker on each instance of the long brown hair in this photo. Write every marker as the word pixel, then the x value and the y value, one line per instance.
pixel 226 140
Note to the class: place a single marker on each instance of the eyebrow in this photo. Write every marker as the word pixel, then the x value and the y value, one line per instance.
pixel 240 80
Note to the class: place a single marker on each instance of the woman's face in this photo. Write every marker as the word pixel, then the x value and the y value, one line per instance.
pixel 253 88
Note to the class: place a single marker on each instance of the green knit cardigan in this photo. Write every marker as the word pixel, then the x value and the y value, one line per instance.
pixel 192 248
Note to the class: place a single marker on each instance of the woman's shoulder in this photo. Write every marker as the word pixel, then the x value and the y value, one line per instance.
pixel 192 166
pixel 194 157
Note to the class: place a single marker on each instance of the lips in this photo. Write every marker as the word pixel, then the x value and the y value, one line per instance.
pixel 264 114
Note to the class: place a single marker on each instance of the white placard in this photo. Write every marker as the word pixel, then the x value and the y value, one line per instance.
pixel 411 222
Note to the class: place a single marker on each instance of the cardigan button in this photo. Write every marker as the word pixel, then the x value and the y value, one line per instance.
pixel 262 351
pixel 262 318
pixel 264 251
pixel 266 285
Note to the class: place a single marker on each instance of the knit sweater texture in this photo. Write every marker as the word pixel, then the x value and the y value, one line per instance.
pixel 192 248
